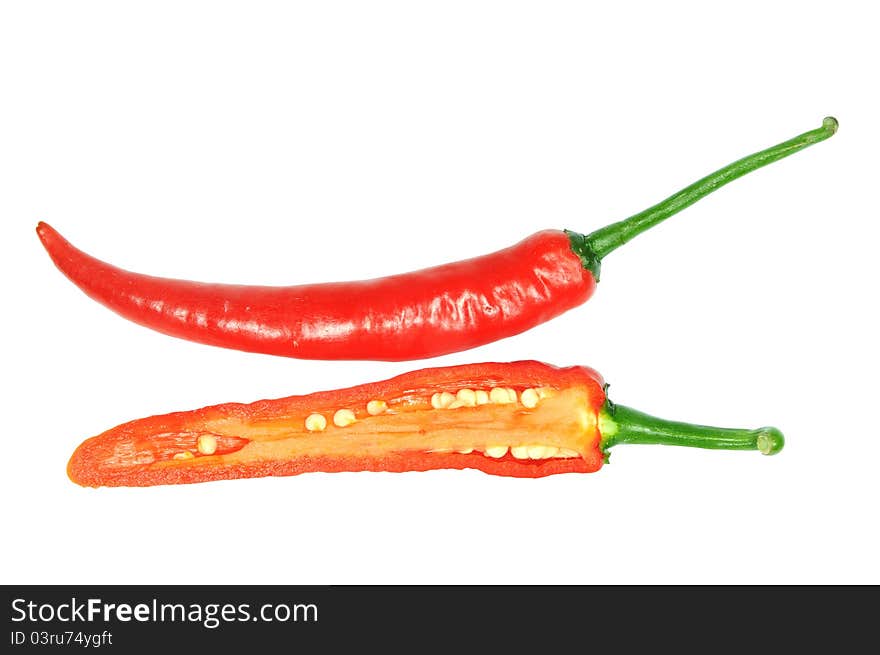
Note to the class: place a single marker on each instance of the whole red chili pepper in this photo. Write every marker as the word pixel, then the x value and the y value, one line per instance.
pixel 521 419
pixel 415 315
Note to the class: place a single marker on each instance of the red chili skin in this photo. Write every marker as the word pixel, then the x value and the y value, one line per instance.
pixel 415 315
pixel 139 453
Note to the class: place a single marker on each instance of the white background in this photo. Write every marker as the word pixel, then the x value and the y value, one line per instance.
pixel 281 143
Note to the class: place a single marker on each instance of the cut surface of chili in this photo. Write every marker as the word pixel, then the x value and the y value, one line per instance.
pixel 522 419
pixel 416 315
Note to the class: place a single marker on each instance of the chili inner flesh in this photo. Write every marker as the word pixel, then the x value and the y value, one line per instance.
pixel 490 422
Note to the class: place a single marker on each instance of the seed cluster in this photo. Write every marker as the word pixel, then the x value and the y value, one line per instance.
pixel 529 398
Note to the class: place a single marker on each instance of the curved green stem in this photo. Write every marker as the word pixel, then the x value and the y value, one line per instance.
pixel 591 248
pixel 620 424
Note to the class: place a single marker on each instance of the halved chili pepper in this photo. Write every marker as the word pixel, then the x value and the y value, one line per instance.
pixel 416 315
pixel 522 419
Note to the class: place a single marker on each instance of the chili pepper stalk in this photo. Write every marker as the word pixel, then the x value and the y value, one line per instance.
pixel 595 246
pixel 521 419
pixel 426 313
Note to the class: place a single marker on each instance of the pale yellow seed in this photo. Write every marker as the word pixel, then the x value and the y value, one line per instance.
pixel 315 422
pixel 206 444
pixel 567 452
pixel 376 407
pixel 442 400
pixel 529 398
pixel 499 395
pixel 455 404
pixel 520 452
pixel 511 394
pixel 467 396
pixel 186 454
pixel 542 452
pixel 536 452
pixel 343 418
pixel 544 392
pixel 466 451
pixel 482 398
pixel 496 451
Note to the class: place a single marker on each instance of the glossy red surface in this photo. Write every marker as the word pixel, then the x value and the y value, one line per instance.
pixel 415 315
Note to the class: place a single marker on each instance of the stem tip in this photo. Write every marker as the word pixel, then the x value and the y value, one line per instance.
pixel 830 123
pixel 770 440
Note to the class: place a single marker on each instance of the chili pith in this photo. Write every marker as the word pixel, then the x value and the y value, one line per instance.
pixel 415 315
pixel 522 419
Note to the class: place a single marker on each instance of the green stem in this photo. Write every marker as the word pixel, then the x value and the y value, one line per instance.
pixel 620 424
pixel 593 247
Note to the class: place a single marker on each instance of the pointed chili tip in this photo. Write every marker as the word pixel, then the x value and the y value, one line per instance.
pixel 770 440
pixel 830 123
pixel 46 232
